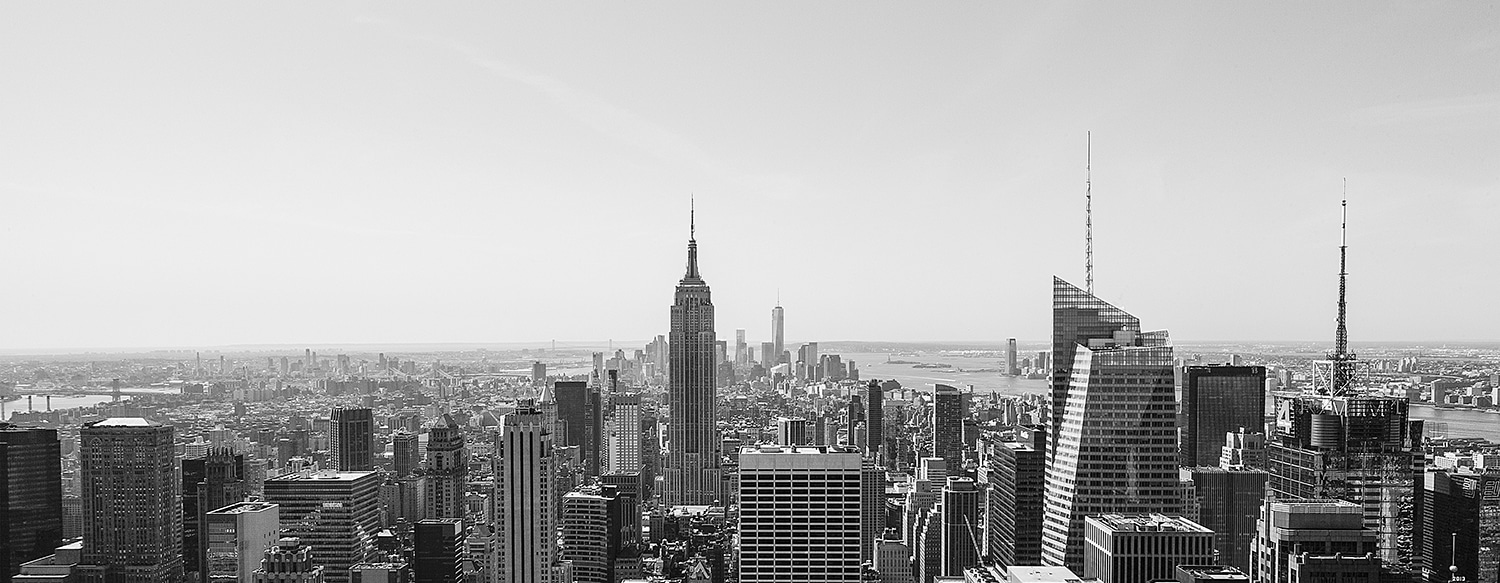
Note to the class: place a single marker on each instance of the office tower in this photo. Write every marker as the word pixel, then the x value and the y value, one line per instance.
pixel 1116 450
pixel 625 435
pixel 1458 525
pixel 351 439
pixel 585 536
pixel 778 337
pixel 1140 548
pixel 336 514
pixel 961 529
pixel 208 483
pixel 768 356
pixel 237 537
pixel 524 494
pixel 132 518
pixel 948 427
pixel 289 561
pixel 438 550
pixel 406 456
pixel 572 412
pixel 538 374
pixel 1013 467
pixel 1314 540
pixel 1228 503
pixel 447 469
pixel 874 420
pixel 825 488
pixel 791 431
pixel 1216 400
pixel 691 466
pixel 927 553
pixel 31 514
pixel 1077 317
pixel 740 348
pixel 871 509
pixel 1010 358
pixel 1357 447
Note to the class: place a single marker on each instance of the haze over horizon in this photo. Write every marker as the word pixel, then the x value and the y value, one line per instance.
pixel 176 175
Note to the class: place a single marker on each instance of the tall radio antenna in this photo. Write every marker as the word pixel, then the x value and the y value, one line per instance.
pixel 1088 212
pixel 1343 359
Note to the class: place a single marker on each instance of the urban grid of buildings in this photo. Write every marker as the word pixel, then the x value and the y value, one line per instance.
pixel 699 461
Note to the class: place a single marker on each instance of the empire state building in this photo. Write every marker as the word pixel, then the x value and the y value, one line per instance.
pixel 691 468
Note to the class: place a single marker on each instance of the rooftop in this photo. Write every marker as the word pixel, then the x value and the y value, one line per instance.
pixel 125 422
pixel 242 507
pixel 320 476
pixel 1147 523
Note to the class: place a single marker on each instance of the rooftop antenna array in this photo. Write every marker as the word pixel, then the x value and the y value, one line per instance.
pixel 1088 212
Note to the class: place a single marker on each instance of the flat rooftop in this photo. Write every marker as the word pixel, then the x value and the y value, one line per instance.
pixel 125 422
pixel 320 476
pixel 1147 523
pixel 242 507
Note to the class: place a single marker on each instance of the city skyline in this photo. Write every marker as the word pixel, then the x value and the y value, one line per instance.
pixel 1230 150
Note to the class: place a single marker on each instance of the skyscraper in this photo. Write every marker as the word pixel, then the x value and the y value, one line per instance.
pixel 874 420
pixel 132 519
pixel 1010 358
pixel 871 509
pixel 572 412
pixel 351 439
pixel 406 455
pixel 447 469
pixel 237 537
pixel 335 513
pixel 1014 469
pixel 625 435
pixel 821 543
pixel 439 550
pixel 1458 525
pixel 585 536
pixel 691 466
pixel 1313 540
pixel 1217 400
pixel 1116 450
pixel 208 483
pixel 525 508
pixel 741 349
pixel 778 337
pixel 948 426
pixel 961 529
pixel 31 523
pixel 1228 504
pixel 1077 317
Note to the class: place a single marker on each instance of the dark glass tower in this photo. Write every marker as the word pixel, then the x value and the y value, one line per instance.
pixel 351 437
pixel 1217 400
pixel 31 499
pixel 208 483
pixel 692 460
pixel 874 429
pixel 439 550
pixel 572 412
pixel 948 427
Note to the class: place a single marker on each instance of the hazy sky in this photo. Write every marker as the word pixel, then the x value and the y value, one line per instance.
pixel 196 174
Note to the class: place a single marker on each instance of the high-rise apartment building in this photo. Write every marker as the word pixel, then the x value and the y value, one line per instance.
pixel 31 515
pixel 336 514
pixel 438 550
pixel 778 337
pixel 525 498
pixel 237 537
pixel 948 426
pixel 1143 548
pixel 625 435
pixel 691 464
pixel 210 482
pixel 1217 400
pixel 1458 525
pixel 799 514
pixel 1228 503
pixel 1314 540
pixel 132 518
pixel 447 469
pixel 961 526
pixel 1116 447
pixel 351 439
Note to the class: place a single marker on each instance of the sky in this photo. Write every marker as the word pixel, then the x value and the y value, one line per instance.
pixel 207 174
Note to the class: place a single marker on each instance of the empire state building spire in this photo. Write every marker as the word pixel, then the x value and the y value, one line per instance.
pixel 691 464
pixel 692 264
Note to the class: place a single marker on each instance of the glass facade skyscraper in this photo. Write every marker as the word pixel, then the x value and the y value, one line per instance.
pixel 1217 400
pixel 1116 450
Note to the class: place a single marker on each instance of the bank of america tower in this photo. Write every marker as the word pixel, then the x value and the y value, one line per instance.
pixel 691 467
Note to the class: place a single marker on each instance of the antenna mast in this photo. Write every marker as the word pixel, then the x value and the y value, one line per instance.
pixel 1088 212
pixel 1343 359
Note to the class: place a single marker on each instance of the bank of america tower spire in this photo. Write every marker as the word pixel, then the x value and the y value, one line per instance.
pixel 692 468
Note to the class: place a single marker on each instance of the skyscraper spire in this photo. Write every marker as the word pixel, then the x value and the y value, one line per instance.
pixel 1343 359
pixel 692 266
pixel 1088 212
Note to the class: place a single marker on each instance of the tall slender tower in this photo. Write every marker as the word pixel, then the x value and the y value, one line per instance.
pixel 447 469
pixel 692 460
pixel 778 335
pixel 523 487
